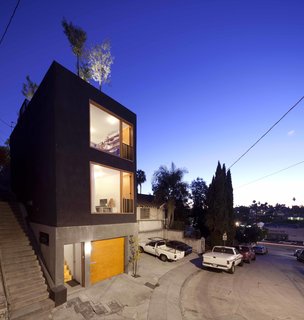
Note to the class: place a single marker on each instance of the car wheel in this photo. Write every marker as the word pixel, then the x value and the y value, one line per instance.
pixel 163 258
pixel 232 269
pixel 254 259
pixel 141 249
pixel 241 264
pixel 249 260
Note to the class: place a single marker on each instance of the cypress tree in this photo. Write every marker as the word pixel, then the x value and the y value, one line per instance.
pixel 219 218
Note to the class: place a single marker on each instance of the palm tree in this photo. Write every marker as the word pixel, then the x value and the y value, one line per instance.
pixel 140 178
pixel 77 38
pixel 168 187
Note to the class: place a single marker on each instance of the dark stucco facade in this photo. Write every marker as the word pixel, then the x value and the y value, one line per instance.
pixel 51 153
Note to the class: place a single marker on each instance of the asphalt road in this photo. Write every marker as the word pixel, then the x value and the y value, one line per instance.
pixel 272 287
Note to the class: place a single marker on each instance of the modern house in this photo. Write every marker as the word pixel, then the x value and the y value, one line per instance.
pixel 73 163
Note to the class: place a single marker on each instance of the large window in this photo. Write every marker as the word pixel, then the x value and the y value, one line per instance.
pixel 111 190
pixel 110 134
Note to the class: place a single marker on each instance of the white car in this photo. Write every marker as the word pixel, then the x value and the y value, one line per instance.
pixel 224 258
pixel 157 247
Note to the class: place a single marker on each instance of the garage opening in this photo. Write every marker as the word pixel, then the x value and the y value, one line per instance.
pixel 107 259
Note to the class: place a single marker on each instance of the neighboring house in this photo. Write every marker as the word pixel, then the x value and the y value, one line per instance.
pixel 150 216
pixel 73 162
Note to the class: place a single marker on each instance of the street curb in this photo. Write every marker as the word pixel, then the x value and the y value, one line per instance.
pixel 165 300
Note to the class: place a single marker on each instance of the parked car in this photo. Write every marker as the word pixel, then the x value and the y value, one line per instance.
pixel 298 252
pixel 247 252
pixel 301 256
pixel 179 245
pixel 160 249
pixel 260 249
pixel 224 258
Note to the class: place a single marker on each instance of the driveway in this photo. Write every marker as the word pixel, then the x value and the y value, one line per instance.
pixel 126 297
pixel 271 288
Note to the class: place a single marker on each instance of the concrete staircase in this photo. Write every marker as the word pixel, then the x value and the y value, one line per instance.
pixel 24 283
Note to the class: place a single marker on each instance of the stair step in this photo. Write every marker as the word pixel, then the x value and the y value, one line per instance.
pixel 26 283
pixel 28 299
pixel 15 250
pixel 14 234
pixel 38 310
pixel 12 256
pixel 21 277
pixel 14 243
pixel 18 268
pixel 15 294
pixel 10 260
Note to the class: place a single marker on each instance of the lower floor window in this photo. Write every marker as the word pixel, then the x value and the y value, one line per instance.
pixel 144 213
pixel 111 190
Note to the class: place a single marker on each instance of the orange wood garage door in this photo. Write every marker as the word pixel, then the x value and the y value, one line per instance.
pixel 107 259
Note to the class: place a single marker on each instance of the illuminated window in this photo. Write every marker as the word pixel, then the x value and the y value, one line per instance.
pixel 109 134
pixel 111 190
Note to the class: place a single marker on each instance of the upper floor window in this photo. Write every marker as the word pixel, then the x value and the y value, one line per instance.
pixel 110 134
pixel 111 190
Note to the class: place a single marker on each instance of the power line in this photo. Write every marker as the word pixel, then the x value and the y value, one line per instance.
pixel 12 16
pixel 285 114
pixel 5 123
pixel 271 174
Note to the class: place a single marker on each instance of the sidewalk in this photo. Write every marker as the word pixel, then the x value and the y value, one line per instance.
pixel 155 295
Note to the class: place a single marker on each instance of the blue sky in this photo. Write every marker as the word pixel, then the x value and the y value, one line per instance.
pixel 206 79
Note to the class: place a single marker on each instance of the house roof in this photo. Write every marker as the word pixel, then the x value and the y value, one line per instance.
pixel 147 200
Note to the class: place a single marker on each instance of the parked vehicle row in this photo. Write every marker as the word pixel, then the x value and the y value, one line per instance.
pixel 227 258
pixel 247 252
pixel 260 249
pixel 166 250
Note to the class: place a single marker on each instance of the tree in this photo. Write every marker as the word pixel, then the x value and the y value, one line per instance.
pixel 199 191
pixel 140 178
pixel 168 187
pixel 77 38
pixel 29 88
pixel 134 254
pixel 100 61
pixel 220 215
pixel 85 71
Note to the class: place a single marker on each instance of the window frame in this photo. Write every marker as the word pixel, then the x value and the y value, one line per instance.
pixel 121 121
pixel 132 189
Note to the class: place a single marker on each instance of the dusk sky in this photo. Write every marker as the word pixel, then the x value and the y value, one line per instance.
pixel 206 79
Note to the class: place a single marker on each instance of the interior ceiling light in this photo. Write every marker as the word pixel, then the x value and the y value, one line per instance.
pixel 112 120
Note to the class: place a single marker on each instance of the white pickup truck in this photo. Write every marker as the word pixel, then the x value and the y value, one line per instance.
pixel 225 258
pixel 158 248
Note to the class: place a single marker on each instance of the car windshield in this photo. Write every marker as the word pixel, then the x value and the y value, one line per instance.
pixel 243 249
pixel 223 250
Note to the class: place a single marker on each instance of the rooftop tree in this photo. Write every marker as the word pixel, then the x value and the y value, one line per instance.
pixel 100 61
pixel 29 88
pixel 77 38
